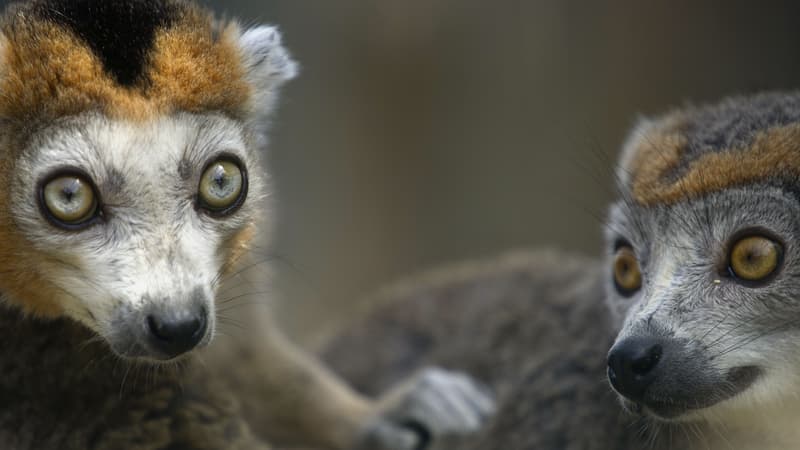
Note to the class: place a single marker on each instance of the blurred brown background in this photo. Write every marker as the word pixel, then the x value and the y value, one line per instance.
pixel 428 131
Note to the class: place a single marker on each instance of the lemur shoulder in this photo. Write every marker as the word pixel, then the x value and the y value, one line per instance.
pixel 131 134
pixel 683 336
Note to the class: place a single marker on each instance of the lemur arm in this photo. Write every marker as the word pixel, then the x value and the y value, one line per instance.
pixel 300 401
pixel 289 397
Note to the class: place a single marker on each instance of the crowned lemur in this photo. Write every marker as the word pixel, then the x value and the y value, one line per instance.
pixel 686 335
pixel 130 138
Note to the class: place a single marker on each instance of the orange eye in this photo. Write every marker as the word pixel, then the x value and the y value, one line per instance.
pixel 754 258
pixel 627 276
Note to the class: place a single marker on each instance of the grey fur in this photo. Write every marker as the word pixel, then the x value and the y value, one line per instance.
pixel 53 398
pixel 732 123
pixel 533 326
pixel 538 329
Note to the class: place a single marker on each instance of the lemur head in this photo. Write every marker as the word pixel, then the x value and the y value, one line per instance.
pixel 704 261
pixel 130 134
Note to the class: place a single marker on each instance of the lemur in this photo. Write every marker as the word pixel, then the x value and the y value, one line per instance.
pixel 131 134
pixel 684 336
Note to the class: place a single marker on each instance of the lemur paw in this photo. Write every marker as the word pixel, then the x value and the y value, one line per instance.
pixel 433 403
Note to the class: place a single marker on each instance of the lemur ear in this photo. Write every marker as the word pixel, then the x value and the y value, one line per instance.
pixel 267 64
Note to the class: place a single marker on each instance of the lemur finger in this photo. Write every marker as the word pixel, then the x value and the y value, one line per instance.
pixel 383 435
pixel 428 407
pixel 478 395
pixel 475 393
pixel 447 396
pixel 460 414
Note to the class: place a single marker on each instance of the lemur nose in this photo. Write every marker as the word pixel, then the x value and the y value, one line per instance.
pixel 174 336
pixel 631 366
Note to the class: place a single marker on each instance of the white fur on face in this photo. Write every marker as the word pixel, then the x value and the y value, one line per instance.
pixel 717 323
pixel 153 248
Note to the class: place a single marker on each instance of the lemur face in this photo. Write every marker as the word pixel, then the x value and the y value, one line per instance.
pixel 130 188
pixel 703 265
pixel 137 245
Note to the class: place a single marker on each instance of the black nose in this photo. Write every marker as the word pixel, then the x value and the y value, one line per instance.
pixel 631 366
pixel 173 336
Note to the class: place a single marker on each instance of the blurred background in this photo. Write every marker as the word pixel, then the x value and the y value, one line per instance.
pixel 422 132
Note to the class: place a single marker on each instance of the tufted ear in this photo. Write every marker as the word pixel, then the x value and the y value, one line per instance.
pixel 267 65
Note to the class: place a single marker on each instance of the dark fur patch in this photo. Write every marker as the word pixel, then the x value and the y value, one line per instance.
pixel 771 156
pixel 115 182
pixel 698 150
pixel 121 33
pixel 734 122
pixel 185 169
pixel 161 56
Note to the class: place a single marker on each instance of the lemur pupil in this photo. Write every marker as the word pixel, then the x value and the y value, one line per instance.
pixel 220 180
pixel 69 191
pixel 219 177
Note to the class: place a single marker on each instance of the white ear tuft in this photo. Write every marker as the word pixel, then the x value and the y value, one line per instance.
pixel 267 64
pixel 265 57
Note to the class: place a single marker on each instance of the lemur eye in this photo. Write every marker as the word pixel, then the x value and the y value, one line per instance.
pixel 223 187
pixel 69 200
pixel 754 258
pixel 627 276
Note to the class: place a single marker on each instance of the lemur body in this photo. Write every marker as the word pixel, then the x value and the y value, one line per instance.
pixel 130 140
pixel 691 317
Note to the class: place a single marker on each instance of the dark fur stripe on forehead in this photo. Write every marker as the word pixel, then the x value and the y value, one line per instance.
pixel 161 56
pixel 121 33
pixel 695 151
pixel 734 122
